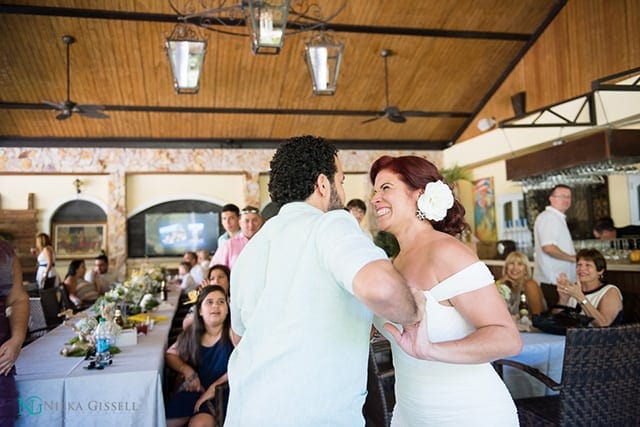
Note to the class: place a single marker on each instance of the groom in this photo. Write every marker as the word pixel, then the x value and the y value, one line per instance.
pixel 303 293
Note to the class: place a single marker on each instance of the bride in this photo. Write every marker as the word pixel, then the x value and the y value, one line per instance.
pixel 442 369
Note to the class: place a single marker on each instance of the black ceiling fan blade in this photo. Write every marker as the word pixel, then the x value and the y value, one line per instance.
pixel 414 113
pixel 397 118
pixel 64 115
pixel 54 105
pixel 373 119
pixel 93 111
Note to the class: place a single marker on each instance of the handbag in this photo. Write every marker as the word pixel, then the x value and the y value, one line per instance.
pixel 558 323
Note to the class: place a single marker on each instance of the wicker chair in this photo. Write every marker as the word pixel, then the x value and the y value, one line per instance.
pixel 378 407
pixel 600 381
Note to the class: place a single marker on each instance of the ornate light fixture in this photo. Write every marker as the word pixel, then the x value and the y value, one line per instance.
pixel 186 49
pixel 323 55
pixel 267 22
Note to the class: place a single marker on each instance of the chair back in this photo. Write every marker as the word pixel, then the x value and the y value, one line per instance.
pixel 50 306
pixel 601 376
pixel 378 406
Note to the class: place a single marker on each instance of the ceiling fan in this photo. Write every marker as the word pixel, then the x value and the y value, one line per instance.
pixel 68 107
pixel 392 112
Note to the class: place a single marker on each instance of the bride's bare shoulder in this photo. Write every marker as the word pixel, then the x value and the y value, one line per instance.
pixel 447 250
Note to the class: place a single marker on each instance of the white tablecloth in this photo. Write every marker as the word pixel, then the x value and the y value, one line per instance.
pixel 58 391
pixel 542 351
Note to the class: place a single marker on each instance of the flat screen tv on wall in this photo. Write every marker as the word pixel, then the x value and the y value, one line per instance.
pixel 172 234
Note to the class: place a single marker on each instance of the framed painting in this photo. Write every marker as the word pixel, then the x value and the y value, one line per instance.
pixel 79 240
pixel 485 210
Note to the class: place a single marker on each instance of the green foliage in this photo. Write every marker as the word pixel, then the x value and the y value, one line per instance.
pixel 456 173
pixel 387 242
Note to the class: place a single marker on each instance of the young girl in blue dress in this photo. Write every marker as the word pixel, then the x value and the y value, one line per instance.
pixel 200 355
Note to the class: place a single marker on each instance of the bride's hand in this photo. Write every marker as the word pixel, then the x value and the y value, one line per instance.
pixel 414 339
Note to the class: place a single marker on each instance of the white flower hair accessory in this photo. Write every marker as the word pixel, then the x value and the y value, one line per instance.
pixel 435 201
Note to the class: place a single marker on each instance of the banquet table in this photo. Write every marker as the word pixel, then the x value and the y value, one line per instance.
pixel 542 351
pixel 55 390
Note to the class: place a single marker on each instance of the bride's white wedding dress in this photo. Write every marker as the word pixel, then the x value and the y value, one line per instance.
pixel 432 393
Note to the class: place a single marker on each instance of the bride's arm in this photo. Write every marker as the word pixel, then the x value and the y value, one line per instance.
pixel 496 335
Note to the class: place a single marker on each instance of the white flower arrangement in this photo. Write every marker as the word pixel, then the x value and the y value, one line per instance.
pixel 136 293
pixel 436 200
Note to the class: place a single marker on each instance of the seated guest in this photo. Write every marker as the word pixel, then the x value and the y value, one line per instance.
pixel 606 230
pixel 81 292
pixel 200 355
pixel 218 275
pixel 516 274
pixel 100 276
pixel 196 270
pixel 204 257
pixel 250 223
pixel 187 281
pixel 596 299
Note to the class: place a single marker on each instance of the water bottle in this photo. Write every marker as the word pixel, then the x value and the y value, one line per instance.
pixel 103 339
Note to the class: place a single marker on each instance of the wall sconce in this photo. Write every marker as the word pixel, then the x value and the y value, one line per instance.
pixel 323 56
pixel 486 123
pixel 267 23
pixel 78 184
pixel 185 50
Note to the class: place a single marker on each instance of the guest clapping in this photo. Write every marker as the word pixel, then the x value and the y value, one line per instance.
pixel 596 299
pixel 200 355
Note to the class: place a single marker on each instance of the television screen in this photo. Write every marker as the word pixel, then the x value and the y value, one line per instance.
pixel 169 234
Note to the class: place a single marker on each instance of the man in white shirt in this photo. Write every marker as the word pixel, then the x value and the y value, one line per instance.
pixel 100 276
pixel 303 293
pixel 553 245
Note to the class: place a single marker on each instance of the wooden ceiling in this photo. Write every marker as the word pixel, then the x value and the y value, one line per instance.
pixel 448 58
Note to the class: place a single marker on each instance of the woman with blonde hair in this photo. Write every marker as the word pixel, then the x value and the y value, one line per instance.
pixel 46 275
pixel 516 274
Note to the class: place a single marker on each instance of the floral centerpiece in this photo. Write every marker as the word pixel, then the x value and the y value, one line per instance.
pixel 136 294
pixel 84 342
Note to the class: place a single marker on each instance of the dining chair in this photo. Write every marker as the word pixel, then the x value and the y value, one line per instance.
pixel 378 406
pixel 600 381
pixel 51 306
pixel 37 326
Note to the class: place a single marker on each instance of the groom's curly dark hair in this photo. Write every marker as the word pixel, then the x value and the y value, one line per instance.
pixel 296 165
